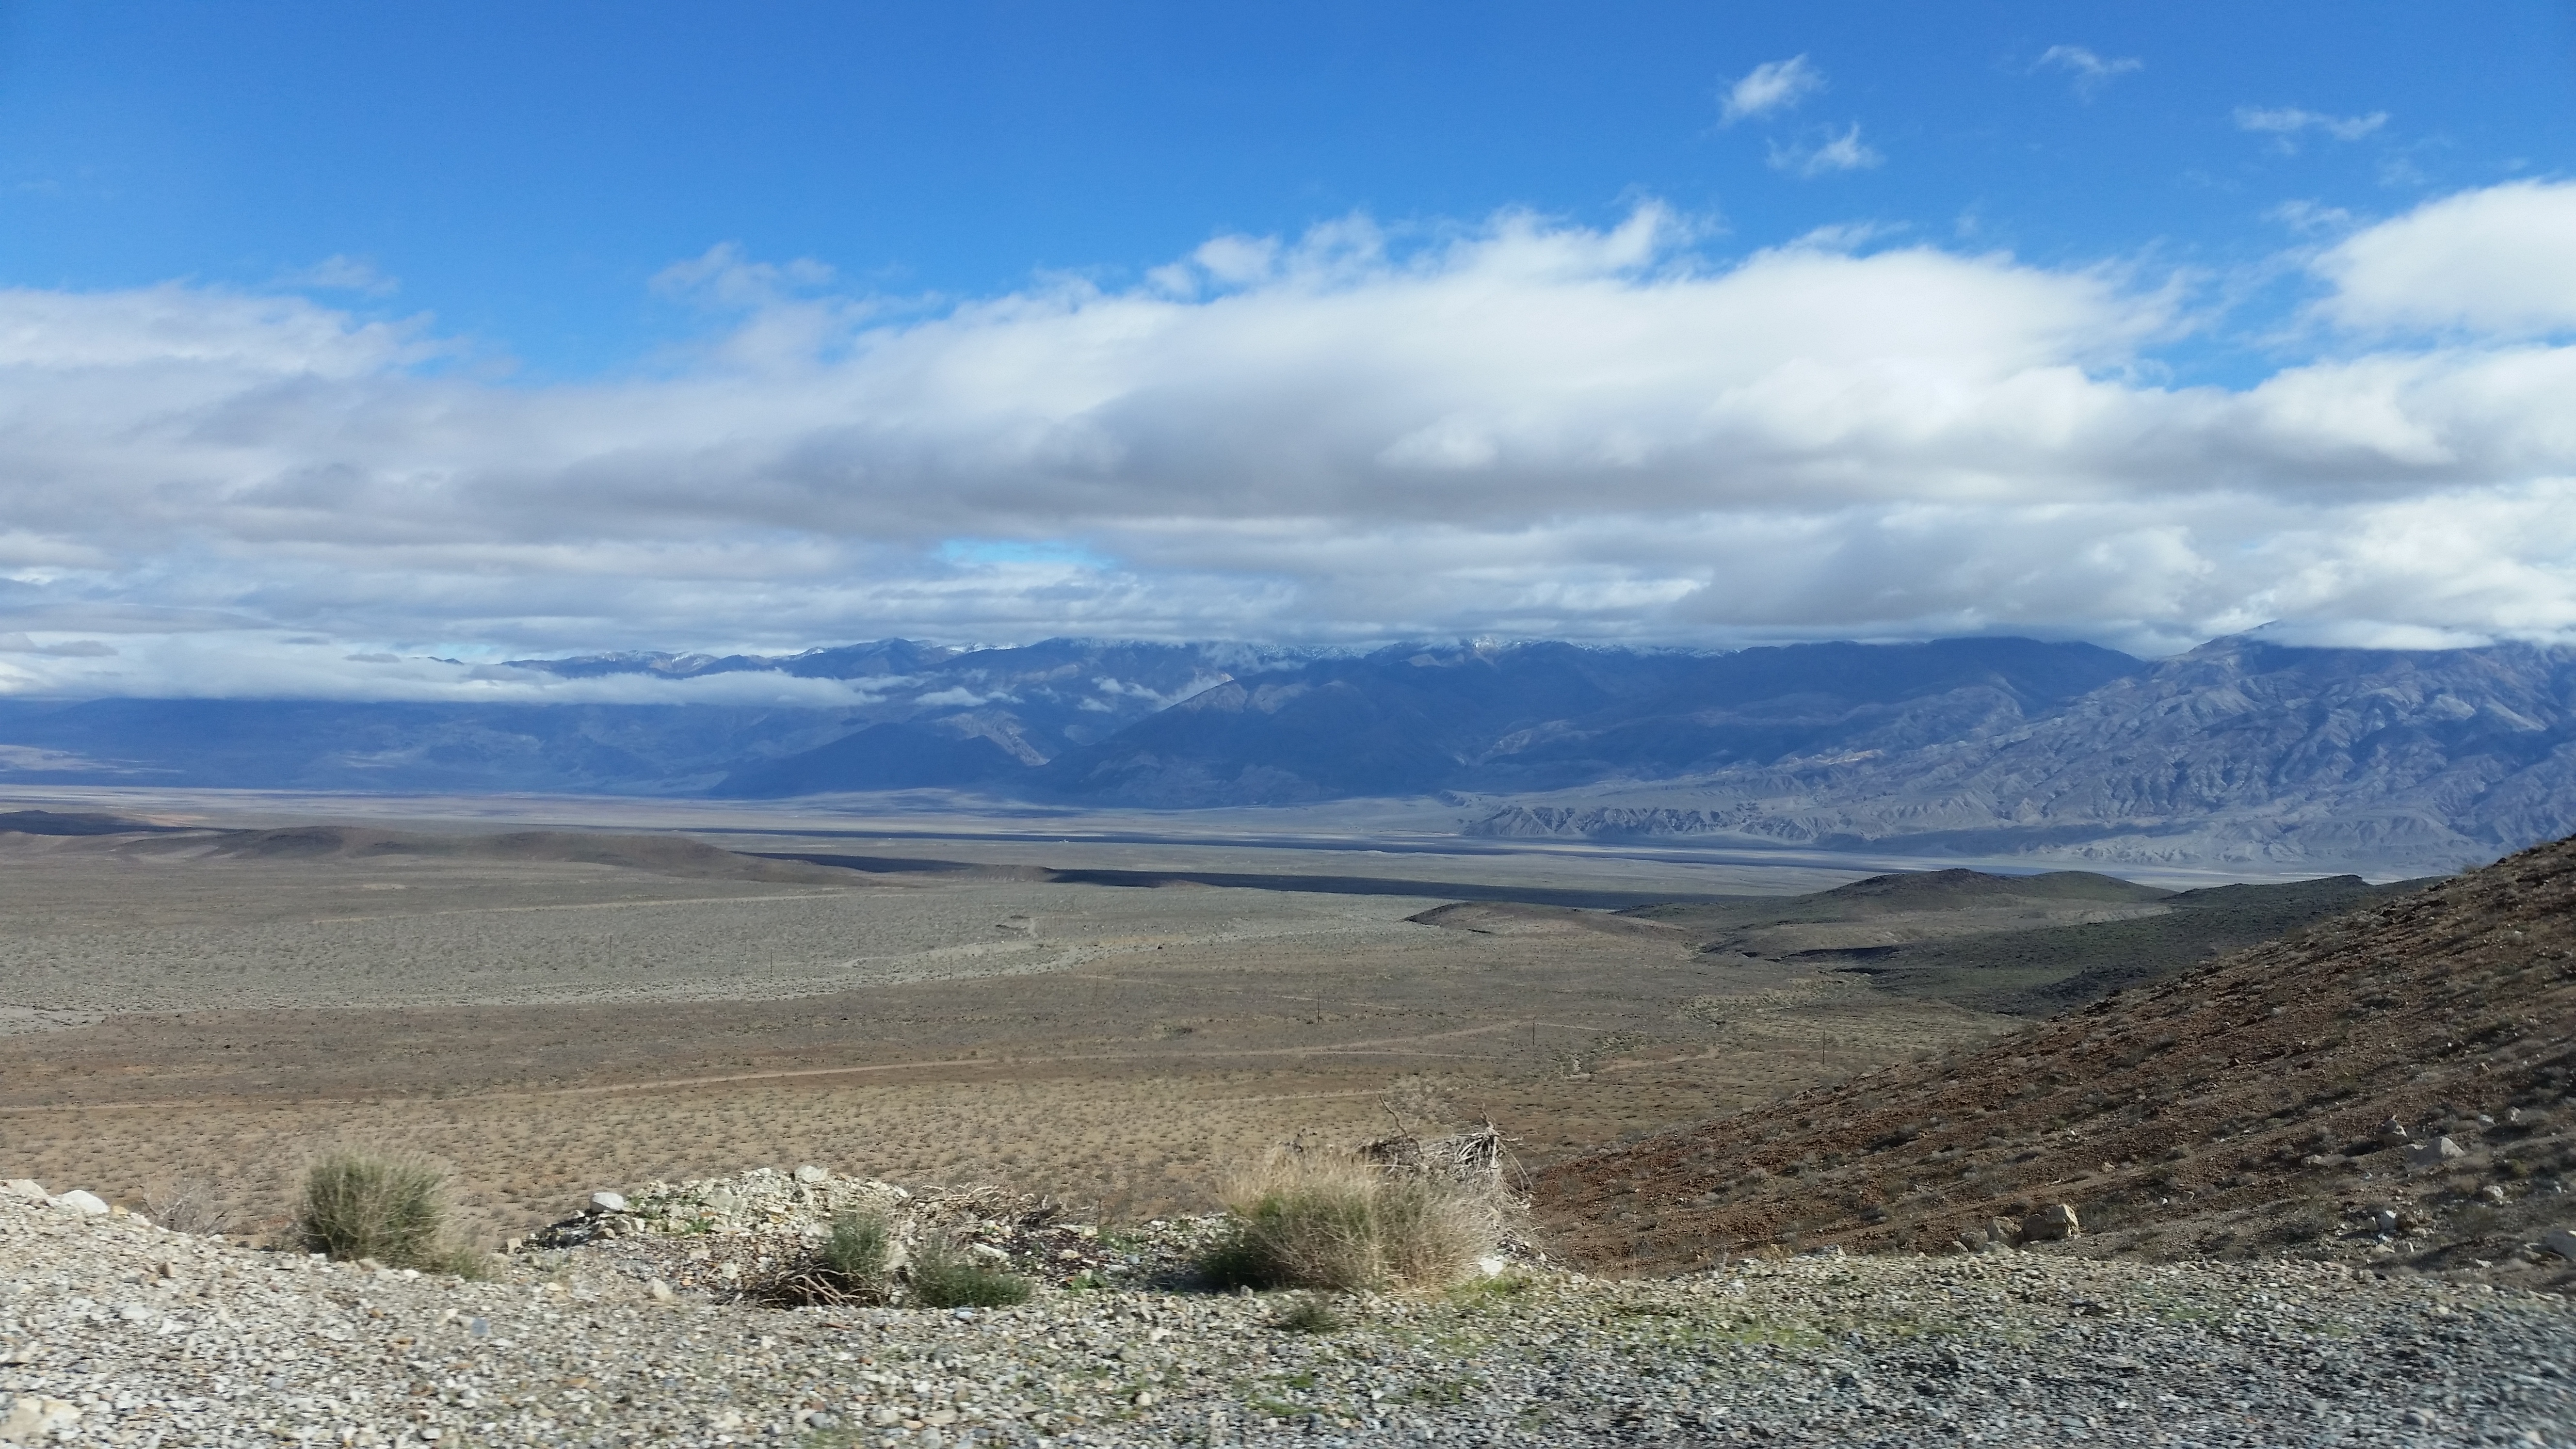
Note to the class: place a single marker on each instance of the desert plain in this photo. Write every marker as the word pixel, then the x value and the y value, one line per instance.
pixel 191 1014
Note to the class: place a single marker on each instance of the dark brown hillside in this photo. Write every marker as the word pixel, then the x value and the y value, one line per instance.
pixel 2234 1109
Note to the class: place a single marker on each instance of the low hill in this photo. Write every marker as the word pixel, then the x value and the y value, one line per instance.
pixel 2053 968
pixel 1884 912
pixel 2025 945
pixel 2247 1106
pixel 56 822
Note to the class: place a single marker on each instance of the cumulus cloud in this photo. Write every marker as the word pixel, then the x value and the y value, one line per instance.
pixel 2498 261
pixel 2287 124
pixel 1777 85
pixel 1841 150
pixel 1521 428
pixel 2090 71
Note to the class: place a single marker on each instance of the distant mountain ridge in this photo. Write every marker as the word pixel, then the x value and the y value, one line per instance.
pixel 2242 750
pixel 1543 715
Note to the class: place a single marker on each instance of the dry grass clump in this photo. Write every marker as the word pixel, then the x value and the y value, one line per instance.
pixel 942 1276
pixel 1338 1221
pixel 392 1210
pixel 859 1264
pixel 856 1264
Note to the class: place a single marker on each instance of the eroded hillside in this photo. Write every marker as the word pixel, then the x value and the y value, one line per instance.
pixel 2246 1106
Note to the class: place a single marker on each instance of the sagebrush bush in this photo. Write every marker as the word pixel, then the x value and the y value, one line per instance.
pixel 859 1247
pixel 1335 1222
pixel 944 1277
pixel 391 1209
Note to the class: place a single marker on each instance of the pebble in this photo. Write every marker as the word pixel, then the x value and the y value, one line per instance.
pixel 236 1347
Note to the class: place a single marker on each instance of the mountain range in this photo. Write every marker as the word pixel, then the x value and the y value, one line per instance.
pixel 2242 750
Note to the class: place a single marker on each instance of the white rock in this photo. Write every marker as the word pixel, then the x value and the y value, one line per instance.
pixel 2434 1153
pixel 31 1419
pixel 28 1188
pixel 2051 1223
pixel 810 1173
pixel 658 1291
pixel 608 1202
pixel 88 1205
pixel 1492 1265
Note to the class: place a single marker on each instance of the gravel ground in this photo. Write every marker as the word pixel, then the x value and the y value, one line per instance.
pixel 116 1332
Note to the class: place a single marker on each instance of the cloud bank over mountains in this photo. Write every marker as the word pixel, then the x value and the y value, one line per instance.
pixel 1520 428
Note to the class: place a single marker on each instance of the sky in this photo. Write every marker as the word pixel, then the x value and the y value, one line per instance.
pixel 337 342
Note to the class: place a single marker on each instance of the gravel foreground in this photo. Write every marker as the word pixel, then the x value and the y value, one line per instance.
pixel 116 1332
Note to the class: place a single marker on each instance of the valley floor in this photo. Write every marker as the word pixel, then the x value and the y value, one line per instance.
pixel 114 1332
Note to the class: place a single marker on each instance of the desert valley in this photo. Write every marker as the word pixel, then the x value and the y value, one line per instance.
pixel 1699 1069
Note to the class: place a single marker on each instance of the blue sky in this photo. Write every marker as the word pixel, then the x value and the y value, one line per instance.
pixel 532 329
pixel 523 172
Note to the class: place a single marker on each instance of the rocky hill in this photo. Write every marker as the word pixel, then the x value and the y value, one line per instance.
pixel 2391 1086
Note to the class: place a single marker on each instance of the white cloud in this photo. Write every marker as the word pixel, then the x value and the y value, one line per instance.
pixel 343 274
pixel 2311 216
pixel 1524 428
pixel 2501 261
pixel 2286 124
pixel 1841 150
pixel 1777 85
pixel 2091 72
pixel 14 643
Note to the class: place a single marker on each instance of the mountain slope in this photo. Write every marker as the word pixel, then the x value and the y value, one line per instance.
pixel 2235 1109
pixel 2238 751
pixel 1412 721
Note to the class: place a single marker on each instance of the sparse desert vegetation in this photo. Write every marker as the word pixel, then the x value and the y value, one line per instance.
pixel 1330 1219
pixel 1177 1029
pixel 1181 1027
pixel 364 1207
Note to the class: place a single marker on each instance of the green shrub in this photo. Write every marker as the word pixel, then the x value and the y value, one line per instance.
pixel 390 1209
pixel 850 1266
pixel 944 1277
pixel 1316 1220
pixel 858 1248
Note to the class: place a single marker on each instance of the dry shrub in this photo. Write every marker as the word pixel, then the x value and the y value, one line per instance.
pixel 389 1209
pixel 945 1276
pixel 192 1205
pixel 854 1265
pixel 1334 1220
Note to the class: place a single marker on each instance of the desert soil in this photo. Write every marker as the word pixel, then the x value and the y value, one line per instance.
pixel 198 1023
